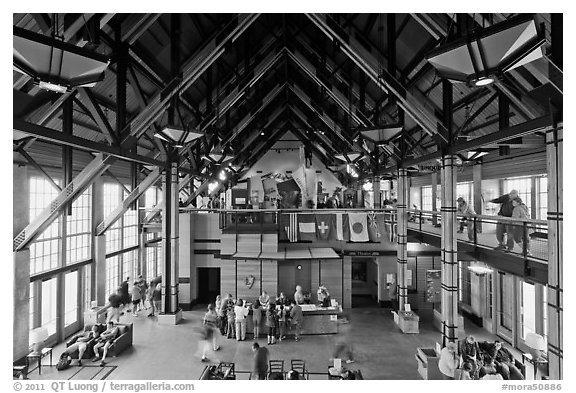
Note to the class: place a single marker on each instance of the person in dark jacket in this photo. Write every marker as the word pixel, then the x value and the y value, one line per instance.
pixel 470 353
pixel 260 368
pixel 506 209
pixel 503 361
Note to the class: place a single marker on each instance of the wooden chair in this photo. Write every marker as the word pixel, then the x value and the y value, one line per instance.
pixel 300 366
pixel 227 369
pixel 275 368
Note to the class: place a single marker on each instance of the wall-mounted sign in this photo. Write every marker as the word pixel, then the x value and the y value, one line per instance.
pixel 433 286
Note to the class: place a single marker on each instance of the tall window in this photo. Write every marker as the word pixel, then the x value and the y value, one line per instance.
pixel 78 231
pixel 427 198
pixel 528 311
pixel 130 229
pixel 129 260
pixel 150 197
pixel 506 303
pixel 71 298
pixel 111 201
pixel 150 263
pixel 45 250
pixel 112 274
pixel 49 300
pixel 465 190
pixel 542 199
pixel 32 305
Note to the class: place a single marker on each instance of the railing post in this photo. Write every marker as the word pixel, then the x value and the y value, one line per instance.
pixel 474 228
pixel 525 239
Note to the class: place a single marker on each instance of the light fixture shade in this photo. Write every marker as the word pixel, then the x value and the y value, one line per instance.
pixel 56 65
pixel 475 154
pixel 177 136
pixel 347 156
pixel 535 341
pixel 482 57
pixel 381 135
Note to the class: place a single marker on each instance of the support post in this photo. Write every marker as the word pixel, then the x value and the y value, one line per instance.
pixel 477 191
pixel 402 219
pixel 555 169
pixel 171 314
pixel 449 252
pixel 21 260
pixel 99 266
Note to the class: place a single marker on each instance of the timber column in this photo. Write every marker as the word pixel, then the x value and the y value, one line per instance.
pixel 449 253
pixel 554 165
pixel 402 220
pixel 171 314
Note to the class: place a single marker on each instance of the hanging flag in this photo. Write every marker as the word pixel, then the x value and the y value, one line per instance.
pixel 358 227
pixel 374 229
pixel 307 227
pixel 342 231
pixel 289 227
pixel 325 226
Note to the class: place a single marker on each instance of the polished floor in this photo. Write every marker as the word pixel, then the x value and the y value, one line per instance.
pixel 381 350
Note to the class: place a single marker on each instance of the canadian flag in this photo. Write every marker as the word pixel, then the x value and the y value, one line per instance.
pixel 358 227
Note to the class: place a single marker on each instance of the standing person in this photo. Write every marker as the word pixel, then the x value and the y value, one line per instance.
pixel 256 318
pixel 298 295
pixel 297 317
pixel 521 212
pixel 221 311
pixel 149 296
pixel 113 312
pixel 466 373
pixel 392 294
pixel 506 209
pixel 281 323
pixel 343 337
pixel 124 293
pixel 231 319
pixel 136 297
pixel 157 299
pixel 282 300
pixel 240 312
pixel 449 360
pixel 271 321
pixel 468 212
pixel 210 323
pixel 143 288
pixel 260 367
pixel 264 299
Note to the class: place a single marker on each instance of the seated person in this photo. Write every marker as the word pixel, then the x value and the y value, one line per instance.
pixel 466 373
pixel 105 340
pixel 293 375
pixel 505 362
pixel 81 342
pixel 470 353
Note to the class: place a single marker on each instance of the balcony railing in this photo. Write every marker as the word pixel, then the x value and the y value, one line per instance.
pixel 530 236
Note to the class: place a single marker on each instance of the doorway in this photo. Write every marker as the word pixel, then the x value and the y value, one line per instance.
pixel 208 284
pixel 364 282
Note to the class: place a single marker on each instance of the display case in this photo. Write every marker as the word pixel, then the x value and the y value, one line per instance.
pixel 407 321
pixel 427 360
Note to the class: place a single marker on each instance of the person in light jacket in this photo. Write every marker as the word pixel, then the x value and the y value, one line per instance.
pixel 468 212
pixel 449 360
pixel 240 312
pixel 521 212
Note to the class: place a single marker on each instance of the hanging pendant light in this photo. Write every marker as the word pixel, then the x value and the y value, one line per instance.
pixel 482 57
pixel 54 64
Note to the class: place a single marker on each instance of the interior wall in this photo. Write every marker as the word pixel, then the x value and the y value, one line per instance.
pixel 289 276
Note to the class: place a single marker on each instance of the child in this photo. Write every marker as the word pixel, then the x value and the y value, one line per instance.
pixel 256 318
pixel 231 316
pixel 282 323
pixel 466 371
pixel 271 321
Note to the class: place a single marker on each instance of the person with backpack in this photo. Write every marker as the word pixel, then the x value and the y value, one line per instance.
pixel 271 323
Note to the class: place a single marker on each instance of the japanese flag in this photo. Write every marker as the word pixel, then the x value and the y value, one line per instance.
pixel 358 227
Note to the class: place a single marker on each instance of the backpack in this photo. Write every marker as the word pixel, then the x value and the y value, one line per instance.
pixel 64 362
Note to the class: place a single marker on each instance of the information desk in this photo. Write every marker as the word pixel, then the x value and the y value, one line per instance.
pixel 317 320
